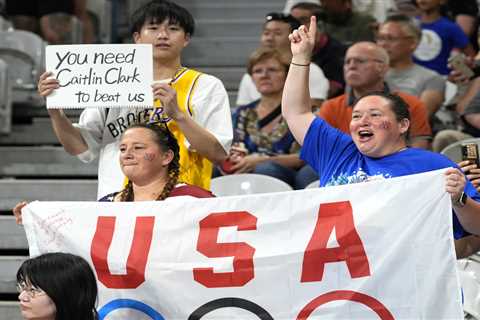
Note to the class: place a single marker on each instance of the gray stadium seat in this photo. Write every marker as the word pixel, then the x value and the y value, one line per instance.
pixel 5 99
pixel 24 52
pixel 454 150
pixel 246 183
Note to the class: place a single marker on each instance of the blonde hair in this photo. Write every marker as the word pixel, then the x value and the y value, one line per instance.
pixel 262 54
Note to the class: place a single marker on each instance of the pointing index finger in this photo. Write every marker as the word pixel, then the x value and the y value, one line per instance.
pixel 312 28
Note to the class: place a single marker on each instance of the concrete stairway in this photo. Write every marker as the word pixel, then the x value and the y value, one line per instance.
pixel 34 167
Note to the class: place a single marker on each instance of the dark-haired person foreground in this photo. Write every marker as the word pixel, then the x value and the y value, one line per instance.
pixel 193 104
pixel 377 147
pixel 57 286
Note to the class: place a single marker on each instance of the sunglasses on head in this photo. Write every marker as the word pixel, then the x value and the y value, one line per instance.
pixel 278 16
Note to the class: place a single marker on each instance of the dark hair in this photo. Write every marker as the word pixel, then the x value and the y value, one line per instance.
pixel 67 279
pixel 287 18
pixel 397 105
pixel 307 6
pixel 166 141
pixel 157 11
pixel 262 54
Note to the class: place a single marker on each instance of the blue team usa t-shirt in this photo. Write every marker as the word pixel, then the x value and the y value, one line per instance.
pixel 338 161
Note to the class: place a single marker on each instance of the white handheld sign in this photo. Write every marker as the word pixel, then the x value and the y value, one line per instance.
pixel 101 76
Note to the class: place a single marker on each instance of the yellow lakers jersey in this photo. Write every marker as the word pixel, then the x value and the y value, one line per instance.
pixel 194 168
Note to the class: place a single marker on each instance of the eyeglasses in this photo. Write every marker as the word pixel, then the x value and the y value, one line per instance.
pixel 360 61
pixel 268 71
pixel 288 18
pixel 31 291
pixel 390 38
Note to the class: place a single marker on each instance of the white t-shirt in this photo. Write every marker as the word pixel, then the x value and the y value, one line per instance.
pixel 318 84
pixel 102 130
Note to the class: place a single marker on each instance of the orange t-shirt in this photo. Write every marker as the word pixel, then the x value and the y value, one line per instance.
pixel 338 114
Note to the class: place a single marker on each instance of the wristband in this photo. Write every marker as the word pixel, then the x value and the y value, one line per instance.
pixel 461 201
pixel 299 64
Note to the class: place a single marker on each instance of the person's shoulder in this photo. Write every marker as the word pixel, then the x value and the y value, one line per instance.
pixel 247 106
pixel 109 197
pixel 208 77
pixel 409 99
pixel 418 69
pixel 333 105
pixel 425 75
pixel 340 100
pixel 316 73
pixel 439 159
pixel 362 17
pixel 449 25
pixel 206 80
pixel 184 189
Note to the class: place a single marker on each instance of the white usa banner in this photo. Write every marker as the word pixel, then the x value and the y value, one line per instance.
pixel 376 250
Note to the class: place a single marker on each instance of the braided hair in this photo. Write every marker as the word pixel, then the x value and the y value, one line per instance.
pixel 166 141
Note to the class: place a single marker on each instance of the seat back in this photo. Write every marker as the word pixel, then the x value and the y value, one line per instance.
pixel 454 150
pixel 5 24
pixel 246 183
pixel 314 184
pixel 5 99
pixel 24 53
pixel 68 27
pixel 469 272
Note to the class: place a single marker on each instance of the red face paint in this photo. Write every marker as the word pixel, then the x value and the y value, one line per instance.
pixel 149 156
pixel 385 125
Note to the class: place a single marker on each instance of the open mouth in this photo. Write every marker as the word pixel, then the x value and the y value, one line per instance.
pixel 365 135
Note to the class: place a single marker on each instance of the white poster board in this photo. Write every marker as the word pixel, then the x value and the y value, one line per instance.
pixel 101 76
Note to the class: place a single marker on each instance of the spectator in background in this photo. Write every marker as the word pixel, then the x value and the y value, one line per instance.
pixel 377 9
pixel 346 25
pixel 51 19
pixel 328 52
pixel 194 105
pixel 399 35
pixel 263 143
pixel 57 286
pixel 406 7
pixel 439 37
pixel 275 33
pixel 365 67
pixel 290 3
pixel 465 14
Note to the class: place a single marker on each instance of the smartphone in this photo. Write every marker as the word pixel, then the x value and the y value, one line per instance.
pixel 470 152
pixel 457 62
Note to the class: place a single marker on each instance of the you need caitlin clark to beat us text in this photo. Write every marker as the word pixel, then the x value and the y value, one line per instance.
pixel 114 75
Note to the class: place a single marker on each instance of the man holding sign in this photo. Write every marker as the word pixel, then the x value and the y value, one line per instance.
pixel 194 105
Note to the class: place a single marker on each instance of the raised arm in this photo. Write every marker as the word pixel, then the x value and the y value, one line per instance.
pixel 68 135
pixel 203 141
pixel 296 103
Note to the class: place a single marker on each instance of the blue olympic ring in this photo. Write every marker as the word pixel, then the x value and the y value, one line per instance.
pixel 129 304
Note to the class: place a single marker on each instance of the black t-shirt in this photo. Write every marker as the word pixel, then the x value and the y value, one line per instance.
pixel 330 59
